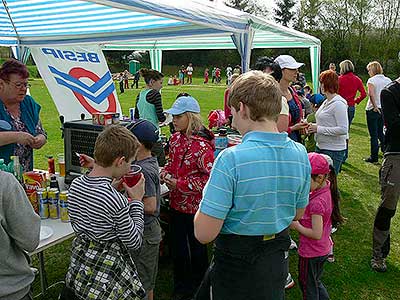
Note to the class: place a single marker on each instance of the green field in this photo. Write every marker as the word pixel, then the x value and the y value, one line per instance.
pixel 349 277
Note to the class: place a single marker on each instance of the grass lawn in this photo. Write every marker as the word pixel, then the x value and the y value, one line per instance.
pixel 349 277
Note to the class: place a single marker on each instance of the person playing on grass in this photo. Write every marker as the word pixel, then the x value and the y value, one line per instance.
pixel 389 176
pixel 191 152
pixel 106 223
pixel 149 106
pixel 254 192
pixel 146 258
pixel 315 228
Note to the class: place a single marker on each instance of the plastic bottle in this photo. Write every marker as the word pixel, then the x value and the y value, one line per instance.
pixel 51 165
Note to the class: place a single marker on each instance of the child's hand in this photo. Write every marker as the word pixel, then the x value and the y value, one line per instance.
pixel 135 192
pixel 170 182
pixel 294 225
pixel 86 161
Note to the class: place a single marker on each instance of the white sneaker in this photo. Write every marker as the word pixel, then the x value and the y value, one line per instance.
pixel 289 282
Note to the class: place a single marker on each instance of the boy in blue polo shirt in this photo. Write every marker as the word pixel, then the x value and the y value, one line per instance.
pixel 256 189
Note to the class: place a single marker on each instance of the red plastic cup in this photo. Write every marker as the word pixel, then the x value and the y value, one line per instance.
pixel 133 177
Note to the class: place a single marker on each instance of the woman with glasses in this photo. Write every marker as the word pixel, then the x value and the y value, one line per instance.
pixel 24 131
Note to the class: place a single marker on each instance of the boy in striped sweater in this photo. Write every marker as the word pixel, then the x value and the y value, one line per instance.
pixel 106 223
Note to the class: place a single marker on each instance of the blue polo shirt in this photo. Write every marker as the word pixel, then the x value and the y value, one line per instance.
pixel 256 187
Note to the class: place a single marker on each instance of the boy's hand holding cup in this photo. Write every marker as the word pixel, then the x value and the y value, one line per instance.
pixel 133 183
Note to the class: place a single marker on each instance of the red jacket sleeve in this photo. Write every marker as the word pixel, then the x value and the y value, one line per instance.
pixel 361 89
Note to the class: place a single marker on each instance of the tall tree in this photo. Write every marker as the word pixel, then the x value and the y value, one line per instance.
pixel 250 6
pixel 284 12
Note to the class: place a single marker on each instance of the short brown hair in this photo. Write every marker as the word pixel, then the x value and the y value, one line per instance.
pixel 260 92
pixel 375 67
pixel 330 80
pixel 13 66
pixel 115 141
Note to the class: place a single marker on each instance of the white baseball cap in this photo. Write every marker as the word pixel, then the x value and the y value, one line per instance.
pixel 287 62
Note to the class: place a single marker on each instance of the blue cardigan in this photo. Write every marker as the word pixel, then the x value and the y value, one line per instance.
pixel 29 116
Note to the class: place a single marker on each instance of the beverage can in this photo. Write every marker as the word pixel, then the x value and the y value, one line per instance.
pixel 43 203
pixel 54 210
pixel 64 206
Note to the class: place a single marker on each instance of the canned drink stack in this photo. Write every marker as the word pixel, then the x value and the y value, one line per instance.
pixel 54 210
pixel 64 206
pixel 43 203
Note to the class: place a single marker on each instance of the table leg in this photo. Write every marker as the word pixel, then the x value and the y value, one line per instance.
pixel 42 273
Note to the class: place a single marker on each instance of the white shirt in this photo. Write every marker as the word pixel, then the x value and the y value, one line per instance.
pixel 379 81
pixel 332 124
pixel 189 70
pixel 285 107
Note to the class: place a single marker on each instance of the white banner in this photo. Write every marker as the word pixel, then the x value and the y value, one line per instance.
pixel 78 80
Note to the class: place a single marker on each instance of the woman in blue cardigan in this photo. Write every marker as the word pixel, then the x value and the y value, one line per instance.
pixel 24 131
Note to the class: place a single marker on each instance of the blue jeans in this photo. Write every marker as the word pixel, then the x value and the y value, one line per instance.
pixel 337 157
pixel 375 128
pixel 351 111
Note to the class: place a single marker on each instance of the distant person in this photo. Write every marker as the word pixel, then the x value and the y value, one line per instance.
pixel 308 91
pixel 213 77
pixel 19 234
pixel 315 228
pixel 229 74
pixel 182 72
pixel 189 72
pixel 218 75
pixel 136 79
pixel 375 83
pixel 206 74
pixel 170 80
pixel 176 80
pixel 349 85
pixel 251 237
pixel 389 176
pixel 107 224
pixel 332 67
pixel 331 125
pixel 126 79
pixel 149 106
pixel 237 70
pixel 120 79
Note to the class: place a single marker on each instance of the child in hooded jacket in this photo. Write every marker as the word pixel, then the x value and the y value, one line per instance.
pixel 191 158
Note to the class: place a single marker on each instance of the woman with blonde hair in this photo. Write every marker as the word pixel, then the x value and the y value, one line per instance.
pixel 349 85
pixel 375 83
pixel 191 156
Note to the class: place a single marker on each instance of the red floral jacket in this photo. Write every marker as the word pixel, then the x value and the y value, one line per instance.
pixel 190 161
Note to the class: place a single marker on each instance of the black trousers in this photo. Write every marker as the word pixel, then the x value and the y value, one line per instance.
pixel 247 268
pixel 189 255
pixel 310 273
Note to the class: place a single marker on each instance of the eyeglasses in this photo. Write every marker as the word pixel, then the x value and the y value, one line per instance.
pixel 20 85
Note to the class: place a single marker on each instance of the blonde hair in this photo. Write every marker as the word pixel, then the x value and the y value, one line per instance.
pixel 375 67
pixel 346 66
pixel 114 142
pixel 195 123
pixel 260 92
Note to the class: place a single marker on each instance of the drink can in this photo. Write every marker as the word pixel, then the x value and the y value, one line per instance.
pixel 64 206
pixel 132 114
pixel 43 203
pixel 54 210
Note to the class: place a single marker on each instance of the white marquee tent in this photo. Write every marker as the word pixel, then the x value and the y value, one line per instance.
pixel 153 25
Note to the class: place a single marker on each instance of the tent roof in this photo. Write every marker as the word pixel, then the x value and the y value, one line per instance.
pixel 41 22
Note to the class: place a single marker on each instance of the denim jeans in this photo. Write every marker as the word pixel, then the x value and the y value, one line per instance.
pixel 337 157
pixel 351 111
pixel 375 128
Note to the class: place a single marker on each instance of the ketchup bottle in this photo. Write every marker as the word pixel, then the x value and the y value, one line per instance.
pixel 51 168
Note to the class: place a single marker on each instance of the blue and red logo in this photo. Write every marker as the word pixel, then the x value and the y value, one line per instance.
pixel 101 90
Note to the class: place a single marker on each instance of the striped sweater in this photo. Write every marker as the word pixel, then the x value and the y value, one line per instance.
pixel 99 211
